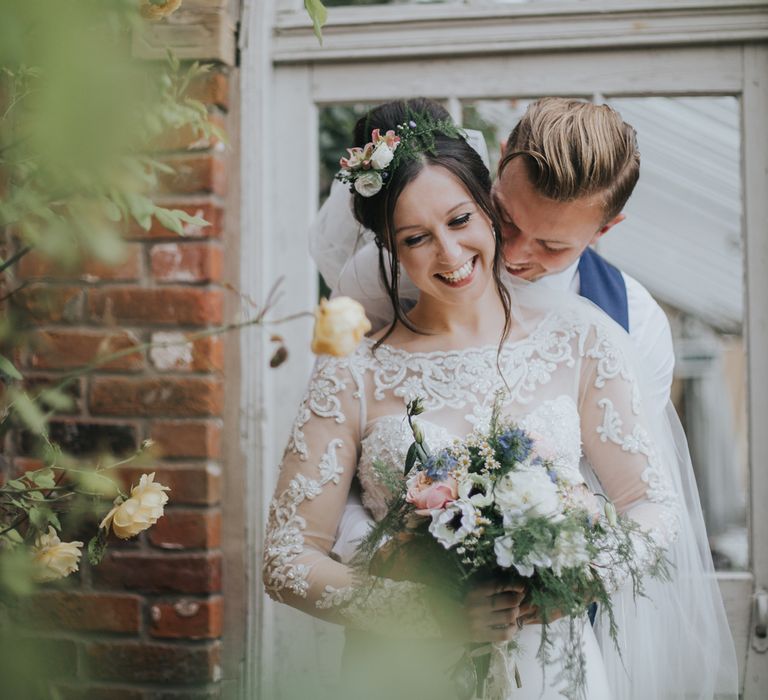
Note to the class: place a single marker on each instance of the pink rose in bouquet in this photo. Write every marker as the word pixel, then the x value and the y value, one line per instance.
pixel 427 494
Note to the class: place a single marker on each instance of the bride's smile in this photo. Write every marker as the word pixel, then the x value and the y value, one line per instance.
pixel 444 241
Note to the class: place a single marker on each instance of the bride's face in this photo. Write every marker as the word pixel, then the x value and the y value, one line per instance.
pixel 444 240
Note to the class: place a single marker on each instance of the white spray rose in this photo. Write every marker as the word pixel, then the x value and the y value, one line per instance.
pixel 382 156
pixel 53 558
pixel 140 511
pixel 340 325
pixel 368 184
pixel 502 548
pixel 527 493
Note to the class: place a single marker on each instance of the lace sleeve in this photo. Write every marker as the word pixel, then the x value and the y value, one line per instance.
pixel 311 492
pixel 620 444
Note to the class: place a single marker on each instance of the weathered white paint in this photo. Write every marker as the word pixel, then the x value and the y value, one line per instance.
pixel 170 350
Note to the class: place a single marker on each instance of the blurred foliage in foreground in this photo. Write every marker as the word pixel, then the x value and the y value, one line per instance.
pixel 77 117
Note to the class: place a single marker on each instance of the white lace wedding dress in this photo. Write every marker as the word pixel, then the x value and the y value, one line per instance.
pixel 567 383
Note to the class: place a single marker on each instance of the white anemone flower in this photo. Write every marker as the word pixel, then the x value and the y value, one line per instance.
pixel 477 489
pixel 454 523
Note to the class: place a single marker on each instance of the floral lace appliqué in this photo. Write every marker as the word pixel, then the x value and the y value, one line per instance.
pixel 285 541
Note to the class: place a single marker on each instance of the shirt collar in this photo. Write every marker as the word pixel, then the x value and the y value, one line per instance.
pixel 562 281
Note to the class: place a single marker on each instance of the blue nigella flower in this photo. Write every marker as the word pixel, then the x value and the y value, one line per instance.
pixel 412 124
pixel 552 475
pixel 515 445
pixel 437 466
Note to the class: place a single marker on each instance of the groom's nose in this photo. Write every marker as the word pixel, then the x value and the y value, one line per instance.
pixel 515 248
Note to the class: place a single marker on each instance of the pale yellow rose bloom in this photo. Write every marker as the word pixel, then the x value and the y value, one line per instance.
pixel 340 325
pixel 140 511
pixel 159 9
pixel 53 558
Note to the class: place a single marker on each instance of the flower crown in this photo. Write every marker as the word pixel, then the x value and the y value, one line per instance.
pixel 367 170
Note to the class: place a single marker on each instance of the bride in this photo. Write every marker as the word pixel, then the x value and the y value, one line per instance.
pixel 568 377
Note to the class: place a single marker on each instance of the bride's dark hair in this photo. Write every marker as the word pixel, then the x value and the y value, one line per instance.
pixel 376 213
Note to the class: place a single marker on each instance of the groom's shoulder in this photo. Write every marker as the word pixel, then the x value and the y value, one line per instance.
pixel 646 317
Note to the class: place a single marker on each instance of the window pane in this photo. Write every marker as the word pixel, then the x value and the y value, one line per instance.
pixel 683 240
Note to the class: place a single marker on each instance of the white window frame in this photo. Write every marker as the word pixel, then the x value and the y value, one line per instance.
pixel 474 51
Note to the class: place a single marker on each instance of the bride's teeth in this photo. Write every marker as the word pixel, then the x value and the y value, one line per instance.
pixel 462 273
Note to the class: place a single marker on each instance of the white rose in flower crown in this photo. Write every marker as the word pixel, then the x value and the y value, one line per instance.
pixel 54 559
pixel 382 156
pixel 368 184
pixel 340 325
pixel 140 511
pixel 528 492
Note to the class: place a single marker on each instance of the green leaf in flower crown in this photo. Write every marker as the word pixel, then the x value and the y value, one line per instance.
pixel 319 16
pixel 96 547
pixel 6 367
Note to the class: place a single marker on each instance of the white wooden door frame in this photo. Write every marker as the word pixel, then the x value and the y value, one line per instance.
pixel 455 52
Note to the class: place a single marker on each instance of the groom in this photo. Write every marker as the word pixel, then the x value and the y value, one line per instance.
pixel 567 170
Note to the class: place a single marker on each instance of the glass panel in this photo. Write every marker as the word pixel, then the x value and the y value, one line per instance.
pixel 682 241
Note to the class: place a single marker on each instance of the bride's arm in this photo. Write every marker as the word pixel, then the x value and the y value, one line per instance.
pixel 311 492
pixel 626 447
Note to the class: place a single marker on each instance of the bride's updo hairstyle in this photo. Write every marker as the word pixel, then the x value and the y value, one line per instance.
pixel 376 212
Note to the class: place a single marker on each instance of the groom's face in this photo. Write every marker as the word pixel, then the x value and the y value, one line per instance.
pixel 542 236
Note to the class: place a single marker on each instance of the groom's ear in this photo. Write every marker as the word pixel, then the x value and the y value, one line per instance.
pixel 607 227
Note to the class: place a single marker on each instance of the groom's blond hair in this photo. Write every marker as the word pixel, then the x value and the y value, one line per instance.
pixel 574 149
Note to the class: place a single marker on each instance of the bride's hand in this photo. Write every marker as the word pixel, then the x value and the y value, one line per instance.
pixel 492 611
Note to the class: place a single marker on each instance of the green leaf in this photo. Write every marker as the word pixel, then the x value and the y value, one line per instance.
pixel 29 412
pixel 319 16
pixel 112 211
pixel 96 547
pixel 6 367
pixel 43 478
pixel 56 400
pixel 168 219
pixel 40 516
pixel 410 458
pixel 16 571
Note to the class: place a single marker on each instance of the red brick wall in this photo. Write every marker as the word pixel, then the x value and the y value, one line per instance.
pixel 147 623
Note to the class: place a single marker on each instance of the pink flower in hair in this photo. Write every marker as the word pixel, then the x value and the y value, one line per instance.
pixel 355 159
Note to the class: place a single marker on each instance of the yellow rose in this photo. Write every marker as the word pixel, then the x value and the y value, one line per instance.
pixel 140 511
pixel 340 325
pixel 53 558
pixel 159 8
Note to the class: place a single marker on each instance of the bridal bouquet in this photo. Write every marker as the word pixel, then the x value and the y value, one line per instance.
pixel 492 506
